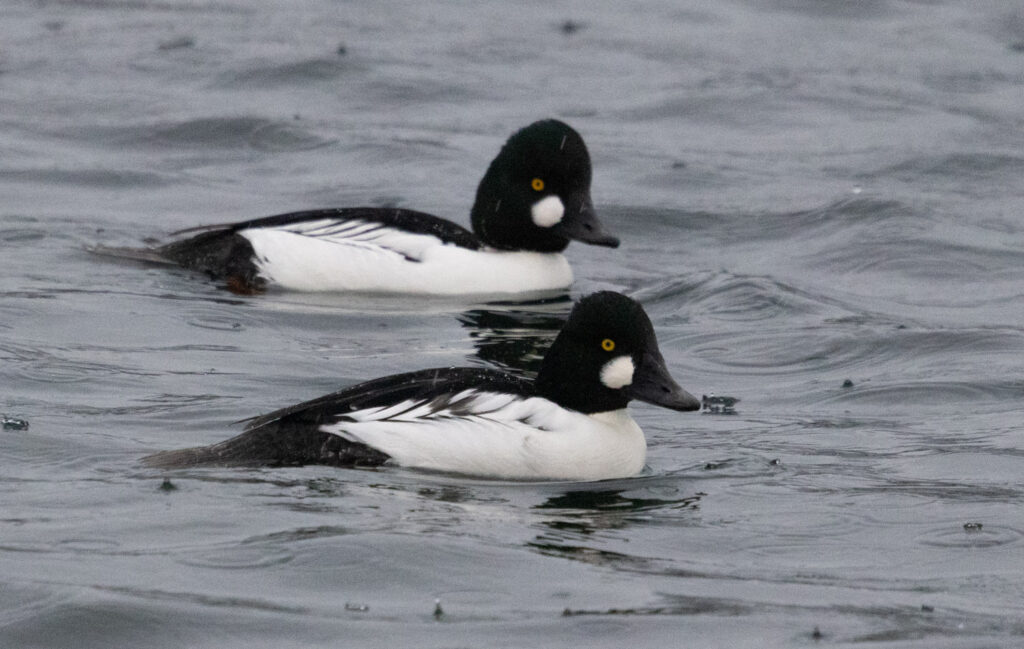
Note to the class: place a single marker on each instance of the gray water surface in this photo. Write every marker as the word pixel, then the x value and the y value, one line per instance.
pixel 810 194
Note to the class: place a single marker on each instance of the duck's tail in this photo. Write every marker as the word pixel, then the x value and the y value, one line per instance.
pixel 145 255
pixel 272 445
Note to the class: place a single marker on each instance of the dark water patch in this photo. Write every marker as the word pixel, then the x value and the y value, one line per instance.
pixel 837 9
pixel 90 545
pixel 209 7
pixel 677 605
pixel 202 599
pixel 729 229
pixel 101 178
pixel 298 534
pixel 271 74
pixel 382 91
pixel 948 491
pixel 18 235
pixel 968 82
pixel 957 165
pixel 577 516
pixel 225 133
pixel 836 623
pixel 979 174
pixel 176 43
pixel 590 555
pixel 159 405
pixel 587 502
pixel 913 623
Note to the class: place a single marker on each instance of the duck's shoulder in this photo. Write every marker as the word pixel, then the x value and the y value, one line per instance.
pixel 332 222
pixel 429 392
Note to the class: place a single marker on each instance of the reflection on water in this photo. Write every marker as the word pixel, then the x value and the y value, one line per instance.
pixel 515 336
pixel 575 521
pixel 585 503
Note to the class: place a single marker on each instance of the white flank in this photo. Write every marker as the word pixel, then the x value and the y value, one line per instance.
pixel 362 257
pixel 502 436
pixel 547 211
pixel 618 372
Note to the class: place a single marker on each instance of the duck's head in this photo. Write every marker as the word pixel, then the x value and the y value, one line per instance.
pixel 607 355
pixel 536 193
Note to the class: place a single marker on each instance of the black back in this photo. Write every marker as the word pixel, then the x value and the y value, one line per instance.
pixel 434 385
pixel 401 219
pixel 292 435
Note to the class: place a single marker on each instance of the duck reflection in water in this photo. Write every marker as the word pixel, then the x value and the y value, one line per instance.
pixel 514 336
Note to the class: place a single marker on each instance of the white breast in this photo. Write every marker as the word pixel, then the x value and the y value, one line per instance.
pixel 392 261
pixel 510 438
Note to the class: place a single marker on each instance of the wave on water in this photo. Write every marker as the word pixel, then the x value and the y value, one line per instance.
pixel 259 133
pixel 231 132
pixel 268 74
pixel 957 165
pixel 720 295
pixel 101 178
pixel 959 395
pixel 734 228
pixel 978 174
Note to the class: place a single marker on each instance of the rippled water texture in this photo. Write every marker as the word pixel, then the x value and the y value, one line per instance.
pixel 820 204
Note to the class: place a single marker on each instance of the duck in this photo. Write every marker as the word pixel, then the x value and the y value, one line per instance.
pixel 569 423
pixel 532 201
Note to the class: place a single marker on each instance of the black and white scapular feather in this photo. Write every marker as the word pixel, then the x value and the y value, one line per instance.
pixel 571 423
pixel 534 199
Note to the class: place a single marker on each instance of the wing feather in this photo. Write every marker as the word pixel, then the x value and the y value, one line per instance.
pixel 437 391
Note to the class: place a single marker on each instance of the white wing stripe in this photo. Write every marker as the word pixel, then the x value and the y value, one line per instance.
pixel 368 235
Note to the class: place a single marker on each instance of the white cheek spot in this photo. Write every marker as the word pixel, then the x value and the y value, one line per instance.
pixel 618 372
pixel 547 211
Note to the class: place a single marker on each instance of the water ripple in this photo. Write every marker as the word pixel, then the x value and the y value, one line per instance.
pixel 852 345
pixel 38 365
pixel 263 74
pixel 238 557
pixel 220 317
pixel 724 296
pixel 256 133
pixel 933 393
pixel 970 535
pixel 102 178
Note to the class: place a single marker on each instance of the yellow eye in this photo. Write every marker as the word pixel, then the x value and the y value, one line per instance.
pixel 537 184
pixel 607 344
